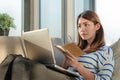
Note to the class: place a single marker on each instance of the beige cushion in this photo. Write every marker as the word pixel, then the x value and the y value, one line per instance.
pixel 116 49
pixel 10 45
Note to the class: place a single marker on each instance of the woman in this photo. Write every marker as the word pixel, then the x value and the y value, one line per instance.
pixel 98 62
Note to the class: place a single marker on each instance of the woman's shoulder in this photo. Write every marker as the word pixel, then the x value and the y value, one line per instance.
pixel 105 53
pixel 106 50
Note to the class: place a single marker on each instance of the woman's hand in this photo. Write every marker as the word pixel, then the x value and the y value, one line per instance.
pixel 70 60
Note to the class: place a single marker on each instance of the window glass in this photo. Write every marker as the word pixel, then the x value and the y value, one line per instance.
pixel 109 16
pixel 50 16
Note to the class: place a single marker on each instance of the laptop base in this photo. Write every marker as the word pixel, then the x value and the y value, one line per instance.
pixel 62 70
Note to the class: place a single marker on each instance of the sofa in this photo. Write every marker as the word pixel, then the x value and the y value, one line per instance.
pixel 12 45
pixel 16 65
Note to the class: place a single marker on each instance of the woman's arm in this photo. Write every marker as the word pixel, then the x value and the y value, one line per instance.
pixel 73 61
pixel 84 72
pixel 105 65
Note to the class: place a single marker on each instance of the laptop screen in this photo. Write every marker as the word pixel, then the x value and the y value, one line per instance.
pixel 39 46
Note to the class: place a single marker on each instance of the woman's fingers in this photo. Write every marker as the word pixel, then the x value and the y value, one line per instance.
pixel 70 55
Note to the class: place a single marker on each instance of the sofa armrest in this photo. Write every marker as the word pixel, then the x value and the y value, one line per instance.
pixel 116 50
pixel 10 45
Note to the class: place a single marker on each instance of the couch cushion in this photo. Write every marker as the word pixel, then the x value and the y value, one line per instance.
pixel 59 57
pixel 10 45
pixel 116 50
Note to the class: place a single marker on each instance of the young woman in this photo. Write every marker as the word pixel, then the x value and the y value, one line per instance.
pixel 98 62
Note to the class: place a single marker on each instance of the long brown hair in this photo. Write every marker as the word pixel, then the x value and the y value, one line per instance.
pixel 99 39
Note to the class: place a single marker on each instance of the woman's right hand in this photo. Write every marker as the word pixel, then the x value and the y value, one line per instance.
pixel 70 60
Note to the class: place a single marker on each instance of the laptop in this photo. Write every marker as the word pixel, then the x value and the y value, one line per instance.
pixel 39 47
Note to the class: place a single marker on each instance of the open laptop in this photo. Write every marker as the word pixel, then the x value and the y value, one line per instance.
pixel 39 47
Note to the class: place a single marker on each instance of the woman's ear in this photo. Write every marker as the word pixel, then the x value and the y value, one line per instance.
pixel 97 26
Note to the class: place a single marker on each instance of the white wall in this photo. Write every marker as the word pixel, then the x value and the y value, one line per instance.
pixel 109 13
pixel 13 8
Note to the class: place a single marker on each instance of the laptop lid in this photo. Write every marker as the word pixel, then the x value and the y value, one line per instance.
pixel 39 46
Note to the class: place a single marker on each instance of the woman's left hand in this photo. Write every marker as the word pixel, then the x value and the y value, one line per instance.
pixel 71 60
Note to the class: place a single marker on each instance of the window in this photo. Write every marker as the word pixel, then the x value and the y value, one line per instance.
pixel 50 16
pixel 109 16
pixel 59 16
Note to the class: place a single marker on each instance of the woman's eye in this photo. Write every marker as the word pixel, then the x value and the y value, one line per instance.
pixel 86 25
pixel 79 26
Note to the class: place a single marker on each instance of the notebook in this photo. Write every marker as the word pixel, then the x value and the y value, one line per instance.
pixel 72 48
pixel 39 47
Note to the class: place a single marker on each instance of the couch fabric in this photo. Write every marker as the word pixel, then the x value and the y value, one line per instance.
pixel 59 57
pixel 20 68
pixel 116 50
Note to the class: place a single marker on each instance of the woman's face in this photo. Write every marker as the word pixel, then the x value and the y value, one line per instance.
pixel 87 29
